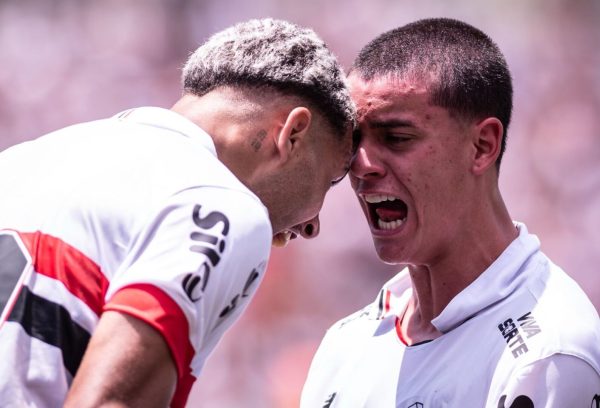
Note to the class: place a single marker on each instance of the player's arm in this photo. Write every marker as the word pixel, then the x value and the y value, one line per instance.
pixel 127 363
pixel 557 381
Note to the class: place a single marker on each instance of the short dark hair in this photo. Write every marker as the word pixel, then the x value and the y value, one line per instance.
pixel 466 71
pixel 273 54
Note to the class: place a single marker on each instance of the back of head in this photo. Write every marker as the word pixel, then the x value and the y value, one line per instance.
pixel 273 54
pixel 465 70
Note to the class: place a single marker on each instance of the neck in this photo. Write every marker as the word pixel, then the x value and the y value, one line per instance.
pixel 437 283
pixel 244 126
pixel 227 117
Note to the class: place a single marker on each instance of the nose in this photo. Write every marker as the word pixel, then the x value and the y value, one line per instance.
pixel 365 164
pixel 309 229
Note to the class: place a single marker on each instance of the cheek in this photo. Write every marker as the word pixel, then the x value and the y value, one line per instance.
pixel 313 196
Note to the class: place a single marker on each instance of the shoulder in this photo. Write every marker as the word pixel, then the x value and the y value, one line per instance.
pixel 558 380
pixel 549 315
pixel 574 324
pixel 226 204
pixel 359 326
pixel 231 219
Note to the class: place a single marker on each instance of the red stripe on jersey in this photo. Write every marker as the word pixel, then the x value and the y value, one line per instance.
pixel 58 260
pixel 388 294
pixel 399 331
pixel 184 386
pixel 153 306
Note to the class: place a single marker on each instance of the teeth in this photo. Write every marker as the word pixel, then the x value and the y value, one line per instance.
pixel 378 198
pixel 385 225
pixel 281 239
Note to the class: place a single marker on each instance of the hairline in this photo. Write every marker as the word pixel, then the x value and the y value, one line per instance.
pixel 246 91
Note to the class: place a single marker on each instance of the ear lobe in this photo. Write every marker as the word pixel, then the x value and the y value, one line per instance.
pixel 294 130
pixel 487 141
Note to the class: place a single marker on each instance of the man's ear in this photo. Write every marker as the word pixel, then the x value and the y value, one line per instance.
pixel 294 131
pixel 487 141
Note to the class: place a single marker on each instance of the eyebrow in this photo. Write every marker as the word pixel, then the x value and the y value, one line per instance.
pixel 356 137
pixel 391 123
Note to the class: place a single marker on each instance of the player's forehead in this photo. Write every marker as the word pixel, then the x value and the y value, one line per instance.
pixel 386 95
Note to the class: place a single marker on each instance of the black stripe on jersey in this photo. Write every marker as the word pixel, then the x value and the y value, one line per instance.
pixel 12 266
pixel 51 323
pixel 380 304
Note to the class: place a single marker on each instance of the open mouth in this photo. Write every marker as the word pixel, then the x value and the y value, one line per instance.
pixel 386 212
pixel 282 238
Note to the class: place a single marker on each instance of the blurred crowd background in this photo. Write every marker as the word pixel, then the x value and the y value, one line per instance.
pixel 63 62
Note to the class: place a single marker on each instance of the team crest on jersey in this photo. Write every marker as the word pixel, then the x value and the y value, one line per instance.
pixel 208 242
pixel 416 402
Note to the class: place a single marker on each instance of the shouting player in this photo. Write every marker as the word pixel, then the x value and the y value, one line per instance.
pixel 480 317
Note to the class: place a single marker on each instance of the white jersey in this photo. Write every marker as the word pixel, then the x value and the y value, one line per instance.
pixel 133 214
pixel 523 334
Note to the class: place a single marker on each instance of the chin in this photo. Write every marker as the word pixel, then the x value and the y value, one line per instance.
pixel 389 255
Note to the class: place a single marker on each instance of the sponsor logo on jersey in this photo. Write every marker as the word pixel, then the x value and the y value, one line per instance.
pixel 191 281
pixel 252 277
pixel 248 288
pixel 513 333
pixel 521 401
pixel 208 242
pixel 595 401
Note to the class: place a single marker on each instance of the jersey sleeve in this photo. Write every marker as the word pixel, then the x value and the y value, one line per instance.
pixel 193 268
pixel 319 378
pixel 557 381
pixel 333 360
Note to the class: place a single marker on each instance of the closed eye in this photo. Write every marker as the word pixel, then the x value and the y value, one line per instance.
pixel 397 139
pixel 339 179
pixel 394 130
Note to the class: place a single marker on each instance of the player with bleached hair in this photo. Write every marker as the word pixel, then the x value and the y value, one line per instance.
pixel 129 245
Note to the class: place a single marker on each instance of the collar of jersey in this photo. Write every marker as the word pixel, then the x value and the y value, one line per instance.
pixel 168 119
pixel 504 276
pixel 498 281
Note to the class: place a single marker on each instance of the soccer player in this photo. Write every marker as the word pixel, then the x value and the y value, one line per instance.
pixel 479 317
pixel 129 245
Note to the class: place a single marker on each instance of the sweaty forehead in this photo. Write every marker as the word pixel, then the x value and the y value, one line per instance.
pixel 384 94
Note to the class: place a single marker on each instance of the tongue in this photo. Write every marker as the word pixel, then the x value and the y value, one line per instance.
pixel 386 214
pixel 391 211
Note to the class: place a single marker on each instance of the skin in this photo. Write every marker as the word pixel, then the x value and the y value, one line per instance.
pixel 288 156
pixel 278 147
pixel 131 369
pixel 443 169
